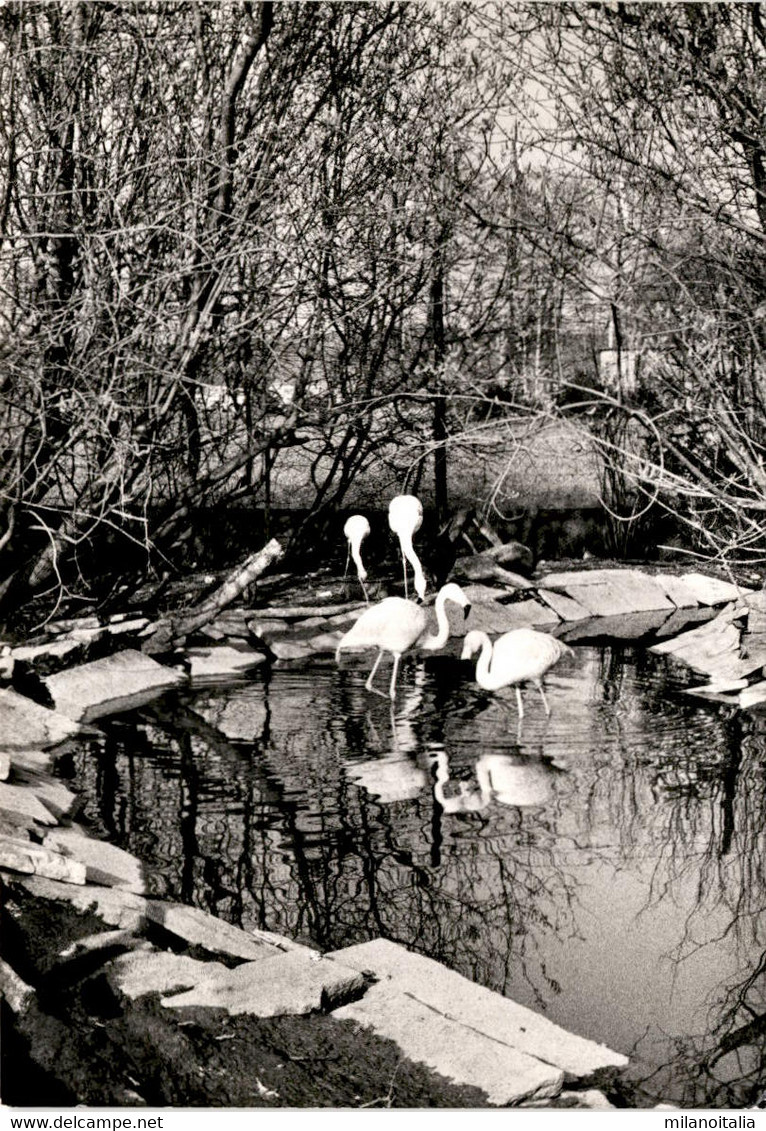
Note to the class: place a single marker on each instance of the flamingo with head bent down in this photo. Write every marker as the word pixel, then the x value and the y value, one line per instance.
pixel 514 658
pixel 395 625
pixel 356 530
pixel 405 514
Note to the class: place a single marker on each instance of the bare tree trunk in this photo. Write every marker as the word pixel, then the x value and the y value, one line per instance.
pixel 441 499
pixel 171 631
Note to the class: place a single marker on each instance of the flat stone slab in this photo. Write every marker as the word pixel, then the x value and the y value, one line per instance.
pixel 493 617
pixel 116 683
pixel 445 1045
pixel 478 593
pixel 56 797
pixel 684 591
pixel 480 1009
pixel 126 626
pixel 286 648
pixel 25 725
pixel 198 928
pixel 74 624
pixel 233 620
pixel 38 761
pixel 21 804
pixel 157 972
pixel 707 590
pixel 683 619
pixel 115 906
pixel 611 592
pixel 681 592
pixel 565 607
pixel 709 646
pixel 17 855
pixel 738 665
pixel 753 696
pixel 128 911
pixel 325 643
pixel 30 772
pixel 54 649
pixel 13 829
pixel 105 863
pixel 220 663
pixel 590 1099
pixel 290 983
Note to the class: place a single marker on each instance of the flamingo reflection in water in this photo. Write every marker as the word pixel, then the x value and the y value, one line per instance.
pixel 395 775
pixel 509 779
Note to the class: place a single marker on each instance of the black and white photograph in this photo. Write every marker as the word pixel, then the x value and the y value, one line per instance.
pixel 382 560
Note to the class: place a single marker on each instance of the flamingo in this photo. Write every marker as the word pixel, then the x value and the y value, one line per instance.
pixel 405 514
pixel 395 625
pixel 515 657
pixel 356 530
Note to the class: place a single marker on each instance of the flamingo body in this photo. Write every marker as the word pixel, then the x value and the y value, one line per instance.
pixel 396 625
pixel 356 530
pixel 515 657
pixel 405 515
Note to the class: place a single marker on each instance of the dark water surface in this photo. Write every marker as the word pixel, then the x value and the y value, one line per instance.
pixel 606 866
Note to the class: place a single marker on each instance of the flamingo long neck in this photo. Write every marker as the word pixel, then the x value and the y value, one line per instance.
pixel 408 551
pixel 440 638
pixel 483 678
pixel 356 554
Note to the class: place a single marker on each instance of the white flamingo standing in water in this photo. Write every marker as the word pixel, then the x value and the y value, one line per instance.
pixel 395 625
pixel 405 514
pixel 356 530
pixel 515 657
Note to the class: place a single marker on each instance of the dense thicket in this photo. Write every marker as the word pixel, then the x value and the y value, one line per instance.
pixel 250 249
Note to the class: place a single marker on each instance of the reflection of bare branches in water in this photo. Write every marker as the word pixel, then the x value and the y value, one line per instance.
pixel 703 838
pixel 725 1068
pixel 308 807
pixel 718 840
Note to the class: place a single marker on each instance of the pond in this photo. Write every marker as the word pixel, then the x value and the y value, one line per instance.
pixel 606 866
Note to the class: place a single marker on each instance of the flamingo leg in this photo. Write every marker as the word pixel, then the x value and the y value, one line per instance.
pixel 539 685
pixel 375 666
pixel 519 703
pixel 392 689
pixel 364 590
pixel 348 559
pixel 404 570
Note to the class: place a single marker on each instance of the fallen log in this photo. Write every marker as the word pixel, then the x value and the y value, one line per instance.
pixel 167 632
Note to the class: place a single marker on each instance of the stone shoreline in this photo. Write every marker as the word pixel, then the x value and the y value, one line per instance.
pixel 185 962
